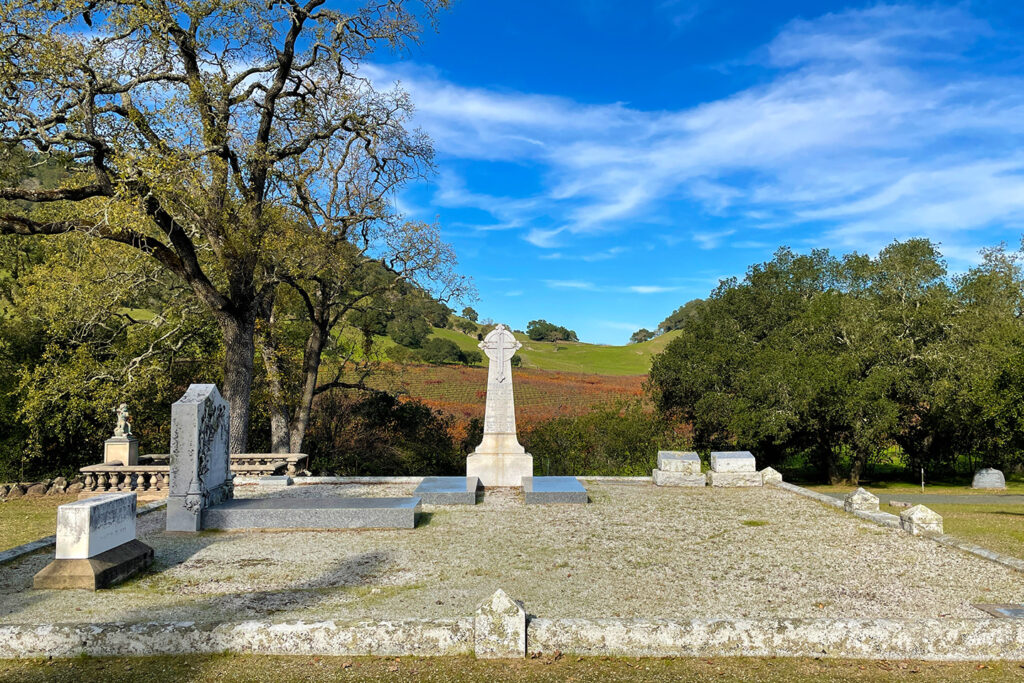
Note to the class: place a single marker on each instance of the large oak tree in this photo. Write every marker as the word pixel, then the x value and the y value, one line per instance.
pixel 195 130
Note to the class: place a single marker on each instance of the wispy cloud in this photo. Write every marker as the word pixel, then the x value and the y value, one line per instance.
pixel 570 284
pixel 873 124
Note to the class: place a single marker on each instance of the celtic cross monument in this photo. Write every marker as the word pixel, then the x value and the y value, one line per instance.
pixel 499 460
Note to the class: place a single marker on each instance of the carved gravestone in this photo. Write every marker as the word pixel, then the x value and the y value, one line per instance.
pixel 200 465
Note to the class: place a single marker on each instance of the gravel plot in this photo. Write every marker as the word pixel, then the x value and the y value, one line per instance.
pixel 635 551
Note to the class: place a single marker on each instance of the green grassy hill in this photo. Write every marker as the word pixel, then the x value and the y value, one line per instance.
pixel 632 359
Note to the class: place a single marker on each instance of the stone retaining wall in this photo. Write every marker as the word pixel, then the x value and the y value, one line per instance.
pixel 929 639
pixel 46 487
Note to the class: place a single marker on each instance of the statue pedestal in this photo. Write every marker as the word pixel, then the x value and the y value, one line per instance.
pixel 121 450
pixel 499 469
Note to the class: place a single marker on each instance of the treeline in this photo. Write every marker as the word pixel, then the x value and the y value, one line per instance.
pixel 841 360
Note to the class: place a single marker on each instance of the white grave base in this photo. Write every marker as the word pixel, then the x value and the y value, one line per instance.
pixel 495 469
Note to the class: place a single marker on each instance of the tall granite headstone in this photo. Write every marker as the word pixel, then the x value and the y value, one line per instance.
pixel 499 460
pixel 200 465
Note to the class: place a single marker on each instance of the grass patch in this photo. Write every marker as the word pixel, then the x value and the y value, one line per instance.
pixel 753 522
pixel 939 488
pixel 27 519
pixel 995 527
pixel 230 667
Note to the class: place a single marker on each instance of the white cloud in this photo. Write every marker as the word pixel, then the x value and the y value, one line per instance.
pixel 570 284
pixel 855 139
pixel 650 289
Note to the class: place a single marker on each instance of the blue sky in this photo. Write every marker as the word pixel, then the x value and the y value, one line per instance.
pixel 600 163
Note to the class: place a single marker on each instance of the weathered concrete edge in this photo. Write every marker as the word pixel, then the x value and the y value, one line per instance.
pixel 930 639
pixel 32 546
pixel 890 520
pixel 299 480
pixel 385 638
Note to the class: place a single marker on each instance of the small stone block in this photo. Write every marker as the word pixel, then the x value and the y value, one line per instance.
pixel 276 480
pixel 500 628
pixel 988 478
pixel 860 500
pixel 733 461
pixel 544 490
pixel 727 479
pixel 87 528
pixel 328 512
pixel 679 461
pixel 448 490
pixel 663 478
pixel 101 571
pixel 920 520
pixel 770 476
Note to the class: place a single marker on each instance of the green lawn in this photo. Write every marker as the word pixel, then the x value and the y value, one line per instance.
pixel 547 668
pixel 943 488
pixel 995 527
pixel 631 359
pixel 27 519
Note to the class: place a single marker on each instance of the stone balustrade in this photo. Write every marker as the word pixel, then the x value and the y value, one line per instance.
pixel 151 477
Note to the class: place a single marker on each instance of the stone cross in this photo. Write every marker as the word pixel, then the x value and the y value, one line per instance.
pixel 499 460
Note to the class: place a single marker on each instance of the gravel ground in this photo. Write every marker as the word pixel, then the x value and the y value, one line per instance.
pixel 635 551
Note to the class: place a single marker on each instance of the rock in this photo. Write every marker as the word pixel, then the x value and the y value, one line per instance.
pixel 988 478
pixel 60 483
pixel 770 476
pixel 500 628
pixel 16 491
pixel 36 490
pixel 4 488
pixel 920 520
pixel 75 488
pixel 900 504
pixel 860 500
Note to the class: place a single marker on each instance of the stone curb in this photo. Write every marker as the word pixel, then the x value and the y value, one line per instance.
pixel 32 546
pixel 299 481
pixel 893 521
pixel 926 639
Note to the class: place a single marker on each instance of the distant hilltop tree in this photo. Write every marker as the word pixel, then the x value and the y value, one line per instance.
pixel 680 316
pixel 641 335
pixel 469 313
pixel 542 330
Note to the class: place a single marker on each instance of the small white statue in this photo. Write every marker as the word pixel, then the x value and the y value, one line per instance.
pixel 124 425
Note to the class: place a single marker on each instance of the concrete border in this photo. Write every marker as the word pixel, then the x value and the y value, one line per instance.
pixel 925 639
pixel 893 521
pixel 32 546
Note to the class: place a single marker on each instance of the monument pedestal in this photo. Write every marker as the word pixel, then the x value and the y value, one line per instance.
pixel 100 571
pixel 499 469
pixel 121 450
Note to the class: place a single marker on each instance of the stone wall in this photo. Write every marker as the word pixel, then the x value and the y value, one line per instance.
pixel 44 487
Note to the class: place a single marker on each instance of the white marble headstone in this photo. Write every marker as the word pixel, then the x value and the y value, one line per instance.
pixel 732 461
pixel 89 527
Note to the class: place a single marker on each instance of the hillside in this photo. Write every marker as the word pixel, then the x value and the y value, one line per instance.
pixel 577 357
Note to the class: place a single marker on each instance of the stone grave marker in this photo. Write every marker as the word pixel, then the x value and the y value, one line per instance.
pixel 499 460
pixel 96 544
pixel 678 468
pixel 200 466
pixel 734 468
pixel 500 628
pixel 920 520
pixel 988 478
pixel 860 500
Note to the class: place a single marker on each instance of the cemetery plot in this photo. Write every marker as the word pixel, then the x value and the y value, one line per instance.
pixel 700 553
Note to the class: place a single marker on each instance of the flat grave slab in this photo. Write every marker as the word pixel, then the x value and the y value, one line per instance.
pixel 276 480
pixel 448 490
pixel 730 462
pixel 686 462
pixel 328 512
pixel 544 490
pixel 1003 611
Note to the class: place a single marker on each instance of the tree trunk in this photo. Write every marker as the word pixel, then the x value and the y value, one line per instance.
pixel 239 350
pixel 857 468
pixel 310 374
pixel 278 401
